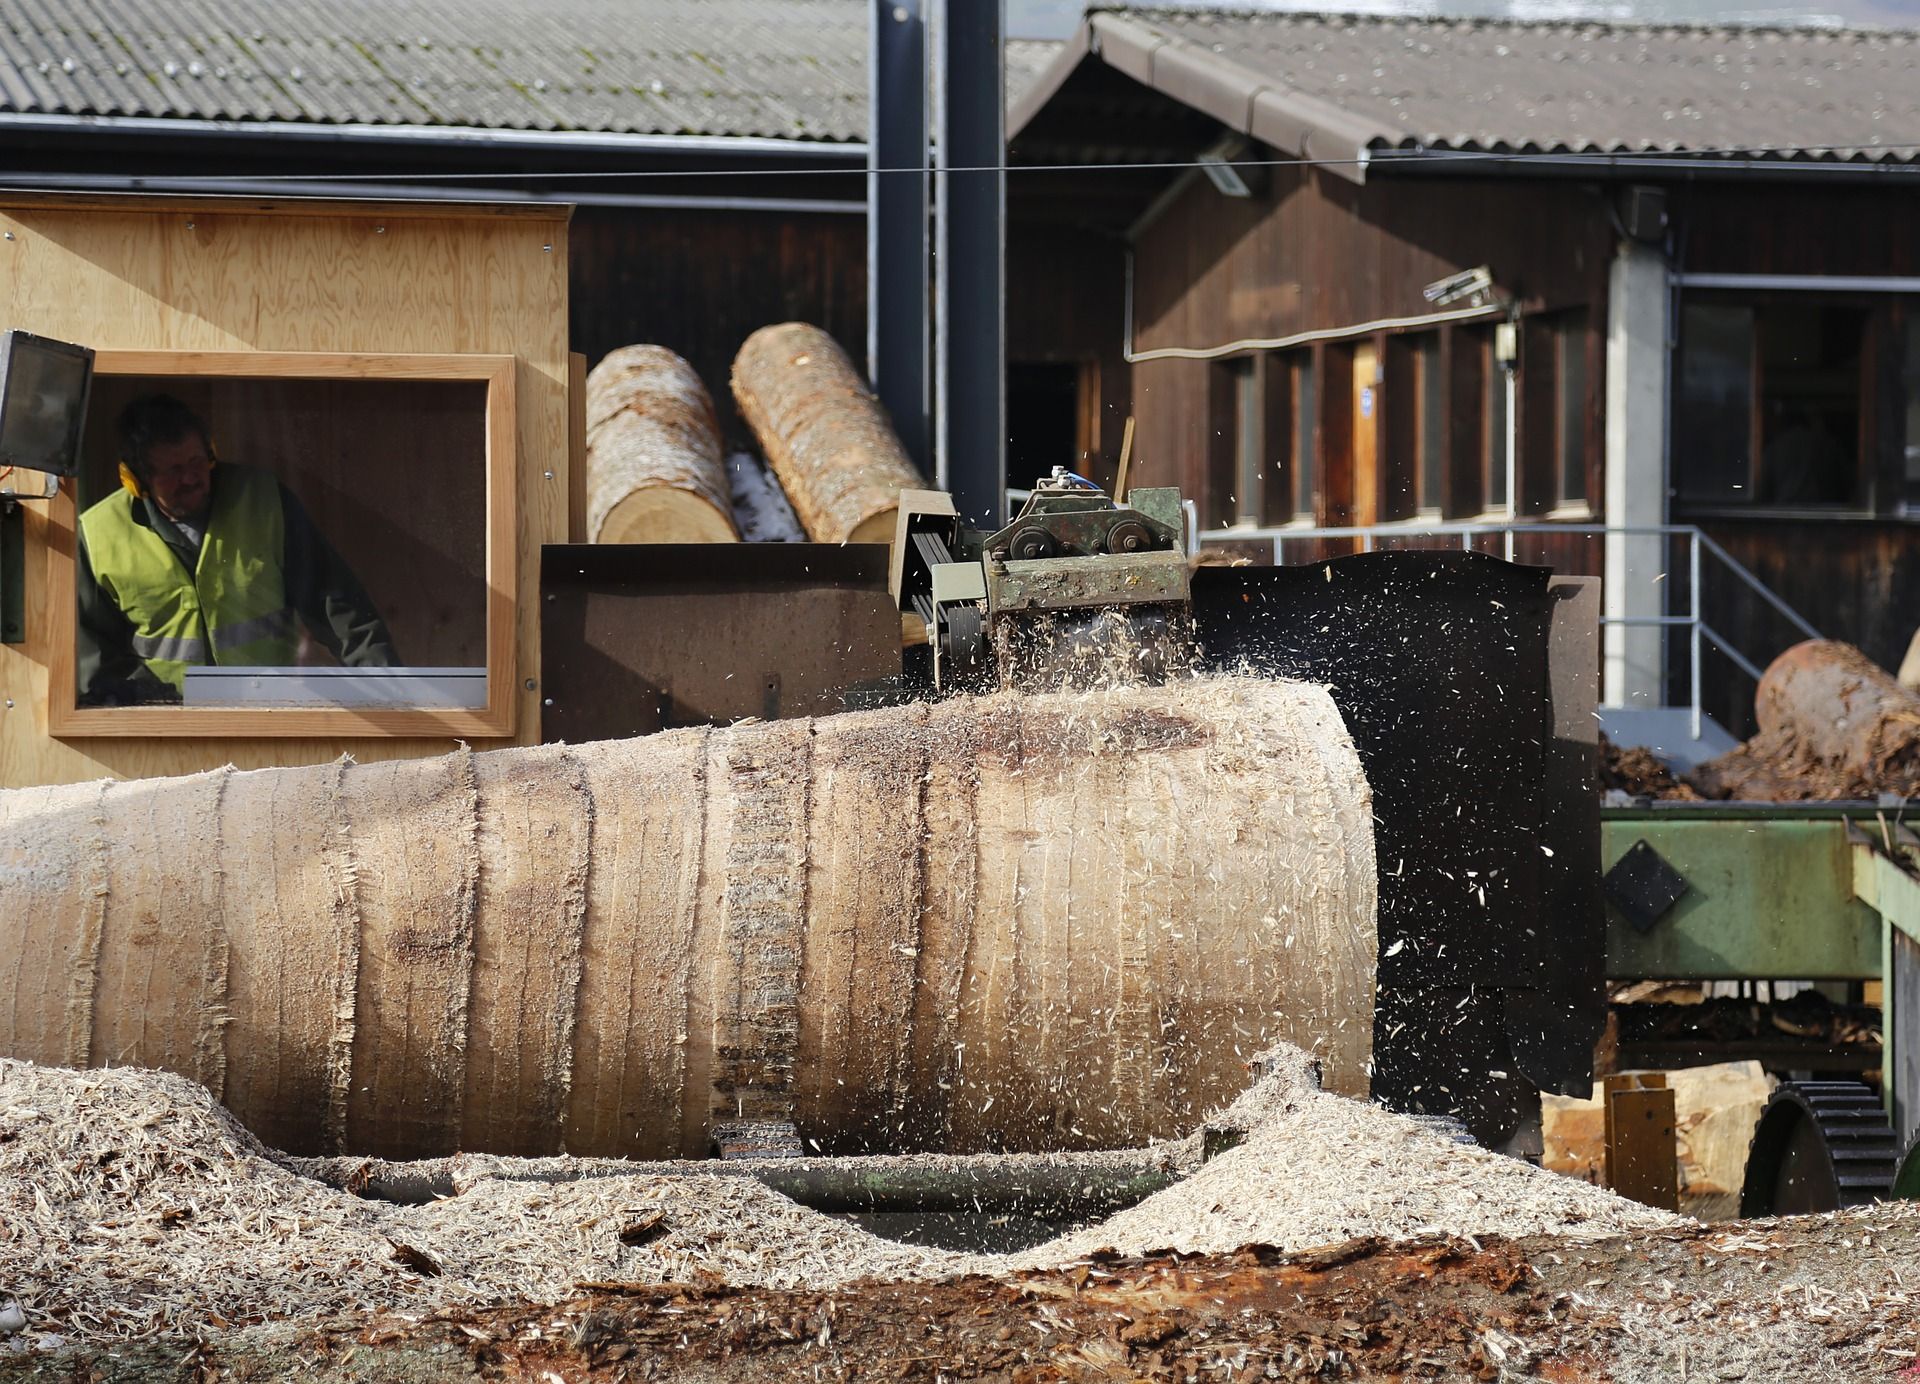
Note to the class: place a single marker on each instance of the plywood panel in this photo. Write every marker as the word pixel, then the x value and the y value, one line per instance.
pixel 217 277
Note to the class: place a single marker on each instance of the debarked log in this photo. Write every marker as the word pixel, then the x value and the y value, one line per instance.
pixel 1017 922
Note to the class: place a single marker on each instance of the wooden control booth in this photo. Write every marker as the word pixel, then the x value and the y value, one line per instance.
pixel 402 368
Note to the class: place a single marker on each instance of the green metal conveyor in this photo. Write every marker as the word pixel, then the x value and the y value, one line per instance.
pixel 1700 892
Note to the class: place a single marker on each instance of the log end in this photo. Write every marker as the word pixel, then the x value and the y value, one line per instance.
pixel 663 514
pixel 877 527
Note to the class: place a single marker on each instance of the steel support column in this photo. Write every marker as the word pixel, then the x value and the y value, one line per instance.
pixel 970 424
pixel 898 248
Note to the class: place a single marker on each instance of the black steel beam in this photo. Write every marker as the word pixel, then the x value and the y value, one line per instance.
pixel 898 249
pixel 970 202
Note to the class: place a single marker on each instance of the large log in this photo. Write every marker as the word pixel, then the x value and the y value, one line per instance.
pixel 1048 922
pixel 655 472
pixel 1833 724
pixel 823 432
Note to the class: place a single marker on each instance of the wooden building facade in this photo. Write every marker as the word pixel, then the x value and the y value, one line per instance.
pixel 1341 318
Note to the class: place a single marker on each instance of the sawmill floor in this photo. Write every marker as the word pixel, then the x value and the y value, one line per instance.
pixel 1758 1301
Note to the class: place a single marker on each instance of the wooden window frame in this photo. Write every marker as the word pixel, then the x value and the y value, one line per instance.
pixel 495 720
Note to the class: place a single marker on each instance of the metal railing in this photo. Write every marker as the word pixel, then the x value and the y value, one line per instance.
pixel 1699 545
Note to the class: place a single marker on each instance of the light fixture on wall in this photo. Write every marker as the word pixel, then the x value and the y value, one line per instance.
pixel 1216 161
pixel 1473 287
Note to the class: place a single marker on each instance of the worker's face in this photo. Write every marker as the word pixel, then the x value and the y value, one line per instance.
pixel 180 476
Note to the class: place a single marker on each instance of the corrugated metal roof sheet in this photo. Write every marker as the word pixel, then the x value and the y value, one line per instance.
pixel 1566 87
pixel 786 69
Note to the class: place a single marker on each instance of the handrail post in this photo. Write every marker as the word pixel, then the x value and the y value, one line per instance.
pixel 1693 600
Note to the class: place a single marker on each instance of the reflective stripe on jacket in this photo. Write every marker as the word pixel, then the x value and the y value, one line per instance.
pixel 230 609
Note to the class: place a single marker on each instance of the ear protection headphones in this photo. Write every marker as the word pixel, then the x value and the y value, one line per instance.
pixel 130 482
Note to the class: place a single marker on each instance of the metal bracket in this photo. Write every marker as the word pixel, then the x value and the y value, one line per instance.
pixel 13 574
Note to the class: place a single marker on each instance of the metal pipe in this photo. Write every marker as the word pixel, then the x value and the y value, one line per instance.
pixel 1740 660
pixel 1809 283
pixel 1693 592
pixel 1513 455
pixel 898 251
pixel 1739 570
pixel 851 151
pixel 420 192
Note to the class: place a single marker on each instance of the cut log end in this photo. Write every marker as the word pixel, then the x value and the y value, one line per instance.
pixel 662 514
pixel 877 527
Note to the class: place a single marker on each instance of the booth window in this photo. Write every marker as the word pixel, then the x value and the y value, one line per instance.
pixel 1768 408
pixel 292 545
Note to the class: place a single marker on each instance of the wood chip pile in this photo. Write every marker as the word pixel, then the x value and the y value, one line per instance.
pixel 133 1206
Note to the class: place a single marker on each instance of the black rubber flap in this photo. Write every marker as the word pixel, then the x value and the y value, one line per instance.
pixel 1486 824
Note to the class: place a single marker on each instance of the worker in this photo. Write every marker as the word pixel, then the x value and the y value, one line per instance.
pixel 197 561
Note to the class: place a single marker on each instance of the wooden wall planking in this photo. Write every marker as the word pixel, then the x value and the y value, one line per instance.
pixel 1315 252
pixel 701 282
pixel 220 275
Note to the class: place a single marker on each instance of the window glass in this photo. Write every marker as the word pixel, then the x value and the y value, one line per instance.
pixel 1713 413
pixel 1430 426
pixel 1767 403
pixel 1248 444
pixel 283 542
pixel 1571 414
pixel 1810 403
pixel 1304 415
pixel 1910 378
pixel 1494 439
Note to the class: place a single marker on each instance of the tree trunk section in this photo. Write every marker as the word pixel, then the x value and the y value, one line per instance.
pixel 655 469
pixel 1047 923
pixel 1842 709
pixel 823 432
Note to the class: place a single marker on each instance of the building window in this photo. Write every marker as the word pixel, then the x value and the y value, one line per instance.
pixel 1302 466
pixel 1430 427
pixel 1249 442
pixel 1910 381
pixel 1768 407
pixel 1571 435
pixel 1495 438
pixel 1043 419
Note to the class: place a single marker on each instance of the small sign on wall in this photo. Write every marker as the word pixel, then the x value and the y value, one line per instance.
pixel 1366 402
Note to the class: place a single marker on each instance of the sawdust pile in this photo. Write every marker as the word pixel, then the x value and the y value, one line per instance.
pixel 1315 1169
pixel 132 1205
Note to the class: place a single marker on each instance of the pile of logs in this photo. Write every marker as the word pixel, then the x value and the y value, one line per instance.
pixel 656 469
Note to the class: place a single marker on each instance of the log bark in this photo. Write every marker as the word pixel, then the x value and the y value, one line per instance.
pixel 823 432
pixel 656 472
pixel 1049 922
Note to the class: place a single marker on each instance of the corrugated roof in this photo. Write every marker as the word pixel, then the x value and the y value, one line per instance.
pixel 1385 84
pixel 785 69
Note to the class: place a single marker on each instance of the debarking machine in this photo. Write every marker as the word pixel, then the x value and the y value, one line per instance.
pixel 1467 683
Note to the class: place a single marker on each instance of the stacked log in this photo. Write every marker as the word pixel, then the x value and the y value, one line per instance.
pixel 825 435
pixel 1048 922
pixel 655 469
